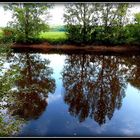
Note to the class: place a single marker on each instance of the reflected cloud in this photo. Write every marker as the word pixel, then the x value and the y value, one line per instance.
pixel 53 98
pixel 127 132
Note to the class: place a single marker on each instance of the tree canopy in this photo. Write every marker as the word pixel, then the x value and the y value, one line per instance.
pixel 27 20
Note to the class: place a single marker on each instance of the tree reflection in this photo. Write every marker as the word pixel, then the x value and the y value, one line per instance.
pixel 94 85
pixel 25 81
pixel 32 89
pixel 134 65
pixel 8 125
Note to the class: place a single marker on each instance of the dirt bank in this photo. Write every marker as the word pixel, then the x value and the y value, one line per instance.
pixel 68 49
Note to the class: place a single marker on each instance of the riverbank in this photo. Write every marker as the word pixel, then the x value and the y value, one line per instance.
pixel 68 49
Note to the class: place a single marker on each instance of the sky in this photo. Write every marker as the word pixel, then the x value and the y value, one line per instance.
pixel 56 14
pixel 55 19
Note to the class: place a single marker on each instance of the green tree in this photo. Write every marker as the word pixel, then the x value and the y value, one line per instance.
pixel 80 19
pixel 113 17
pixel 87 23
pixel 136 29
pixel 27 19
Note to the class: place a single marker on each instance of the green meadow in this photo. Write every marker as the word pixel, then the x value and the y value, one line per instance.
pixel 53 37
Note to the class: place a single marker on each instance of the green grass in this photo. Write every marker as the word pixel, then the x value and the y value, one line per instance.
pixel 53 37
pixel 1 33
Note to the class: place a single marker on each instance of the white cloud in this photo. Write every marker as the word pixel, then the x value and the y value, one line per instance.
pixel 57 14
pixel 127 132
pixel 54 98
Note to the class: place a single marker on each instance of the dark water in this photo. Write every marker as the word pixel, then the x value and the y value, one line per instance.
pixel 52 95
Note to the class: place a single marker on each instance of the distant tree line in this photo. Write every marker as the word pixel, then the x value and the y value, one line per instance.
pixel 58 28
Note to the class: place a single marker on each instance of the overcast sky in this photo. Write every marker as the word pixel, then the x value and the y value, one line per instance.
pixel 56 13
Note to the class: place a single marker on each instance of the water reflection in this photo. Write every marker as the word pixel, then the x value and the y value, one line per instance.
pixel 134 65
pixel 95 85
pixel 33 87
pixel 8 125
pixel 28 93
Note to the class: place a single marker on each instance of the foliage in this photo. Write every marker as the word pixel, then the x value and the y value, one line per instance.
pixel 136 28
pixel 115 36
pixel 83 15
pixel 8 35
pixel 96 23
pixel 86 23
pixel 27 19
pixel 113 18
pixel 73 33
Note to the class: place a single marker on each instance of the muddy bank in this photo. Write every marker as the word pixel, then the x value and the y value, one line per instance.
pixel 68 49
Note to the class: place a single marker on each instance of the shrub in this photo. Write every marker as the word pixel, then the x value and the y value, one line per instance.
pixel 9 35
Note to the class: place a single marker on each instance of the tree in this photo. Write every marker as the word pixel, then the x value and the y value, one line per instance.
pixel 136 26
pixel 81 19
pixel 112 18
pixel 27 19
pixel 86 22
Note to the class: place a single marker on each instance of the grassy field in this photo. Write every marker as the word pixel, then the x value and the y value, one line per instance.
pixel 53 37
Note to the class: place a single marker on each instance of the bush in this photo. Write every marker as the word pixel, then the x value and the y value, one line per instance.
pixel 74 33
pixel 8 35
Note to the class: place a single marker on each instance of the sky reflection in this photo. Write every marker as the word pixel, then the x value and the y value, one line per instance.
pixel 60 117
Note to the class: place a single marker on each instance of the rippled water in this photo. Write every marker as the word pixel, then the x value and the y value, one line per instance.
pixel 69 95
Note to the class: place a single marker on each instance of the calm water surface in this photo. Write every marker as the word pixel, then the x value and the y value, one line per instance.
pixel 69 95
